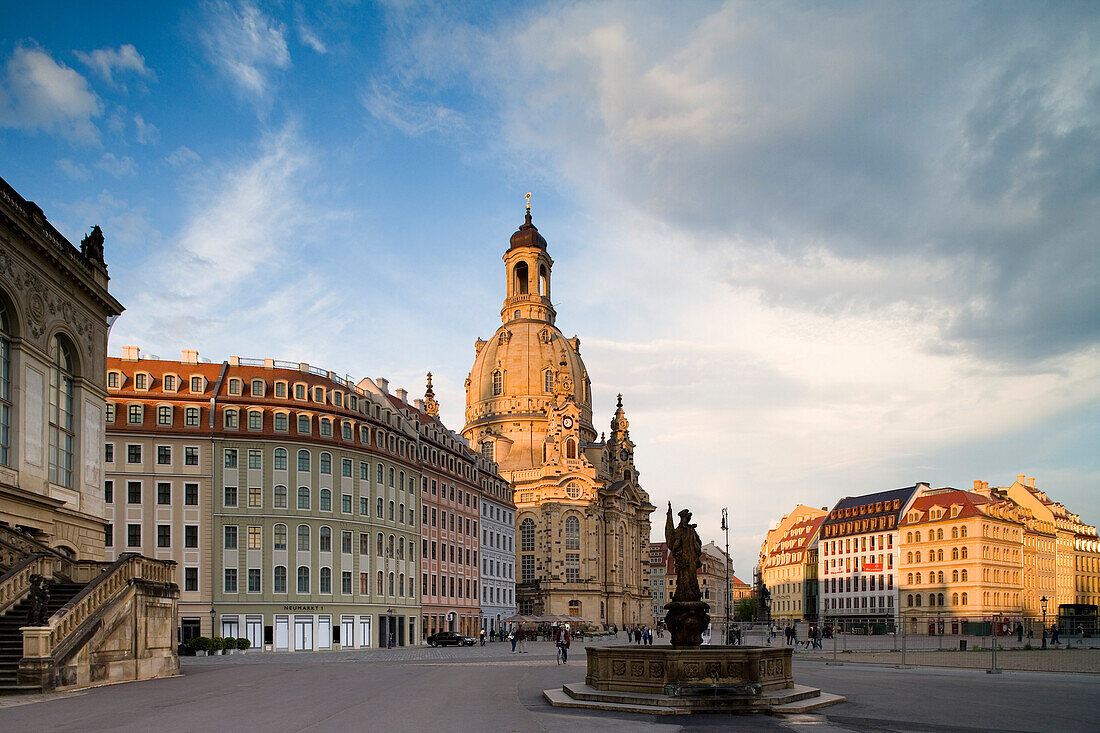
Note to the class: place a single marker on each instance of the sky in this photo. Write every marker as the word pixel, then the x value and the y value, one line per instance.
pixel 823 249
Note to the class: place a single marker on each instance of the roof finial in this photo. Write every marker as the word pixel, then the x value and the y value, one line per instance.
pixel 620 399
pixel 431 406
pixel 528 197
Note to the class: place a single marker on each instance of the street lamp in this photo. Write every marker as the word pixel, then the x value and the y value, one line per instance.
pixel 1043 606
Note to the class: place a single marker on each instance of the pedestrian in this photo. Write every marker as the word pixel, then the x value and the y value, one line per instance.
pixel 562 639
pixel 1054 633
pixel 512 638
pixel 649 637
pixel 1019 632
pixel 522 639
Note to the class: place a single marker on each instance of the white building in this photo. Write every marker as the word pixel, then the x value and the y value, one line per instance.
pixel 498 551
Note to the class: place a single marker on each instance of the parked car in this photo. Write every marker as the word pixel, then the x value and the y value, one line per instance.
pixel 452 638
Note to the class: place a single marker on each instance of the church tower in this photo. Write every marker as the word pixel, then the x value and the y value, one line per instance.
pixel 582 520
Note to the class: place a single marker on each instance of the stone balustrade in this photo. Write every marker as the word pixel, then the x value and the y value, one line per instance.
pixel 15 583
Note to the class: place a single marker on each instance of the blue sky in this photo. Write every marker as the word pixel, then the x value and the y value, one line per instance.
pixel 822 248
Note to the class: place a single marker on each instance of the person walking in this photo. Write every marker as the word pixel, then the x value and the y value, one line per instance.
pixel 482 635
pixel 513 638
pixel 1054 633
pixel 522 634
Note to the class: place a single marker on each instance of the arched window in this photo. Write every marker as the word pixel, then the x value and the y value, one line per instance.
pixel 570 448
pixel 278 535
pixel 280 579
pixel 527 535
pixel 954 576
pixel 326 500
pixel 963 578
pixel 909 579
pixel 931 599
pixel 939 555
pixel 544 281
pixel 939 536
pixel 909 600
pixel 5 384
pixel 325 536
pixel 391 584
pixel 963 552
pixel 939 598
pixel 917 556
pixel 954 553
pixel 379 544
pixel 909 558
pixel 61 414
pixel 303 537
pixel 498 383
pixel 954 533
pixel 548 380
pixel 326 580
pixel 326 463
pixel 572 533
pixel 280 497
pixel 964 599
pixel 918 597
pixel 303 497
pixel 521 277
pixel 916 538
pixel 918 578
pixel 954 599
pixel 962 533
pixel 303 460
pixel 389 546
pixel 908 536
pixel 381 590
pixel 280 459
pixel 939 577
pixel 303 579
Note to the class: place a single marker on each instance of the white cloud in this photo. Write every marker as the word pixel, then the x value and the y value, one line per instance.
pixel 147 132
pixel 107 62
pixel 75 171
pixel 182 155
pixel 412 117
pixel 309 38
pixel 245 45
pixel 39 93
pixel 119 167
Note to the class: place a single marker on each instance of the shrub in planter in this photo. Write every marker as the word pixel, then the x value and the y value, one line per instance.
pixel 243 644
pixel 217 644
pixel 200 644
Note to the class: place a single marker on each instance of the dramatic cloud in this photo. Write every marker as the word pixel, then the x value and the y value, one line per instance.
pixel 245 45
pixel 107 62
pixel 39 93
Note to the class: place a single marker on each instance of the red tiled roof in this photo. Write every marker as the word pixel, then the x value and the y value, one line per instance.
pixel 967 500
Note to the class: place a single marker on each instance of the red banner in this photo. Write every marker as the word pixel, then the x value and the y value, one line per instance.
pixel 872 567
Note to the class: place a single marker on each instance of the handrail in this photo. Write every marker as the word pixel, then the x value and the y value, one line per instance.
pixel 15 583
pixel 27 544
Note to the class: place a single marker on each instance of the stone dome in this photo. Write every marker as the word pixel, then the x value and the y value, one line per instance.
pixel 527 235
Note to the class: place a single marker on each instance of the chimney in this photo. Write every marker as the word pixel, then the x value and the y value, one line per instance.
pixel 419 405
pixel 1031 482
pixel 402 395
pixel 977 485
pixel 383 384
pixel 1020 478
pixel 131 353
pixel 189 357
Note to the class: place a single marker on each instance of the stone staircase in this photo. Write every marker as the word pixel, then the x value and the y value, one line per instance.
pixel 11 638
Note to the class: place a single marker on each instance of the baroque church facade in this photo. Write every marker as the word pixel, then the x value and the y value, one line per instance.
pixel 582 518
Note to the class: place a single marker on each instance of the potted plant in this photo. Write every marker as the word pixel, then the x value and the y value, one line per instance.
pixel 217 645
pixel 200 644
pixel 243 644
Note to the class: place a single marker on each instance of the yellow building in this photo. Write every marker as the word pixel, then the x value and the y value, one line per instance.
pixel 961 560
pixel 787 565
pixel 582 516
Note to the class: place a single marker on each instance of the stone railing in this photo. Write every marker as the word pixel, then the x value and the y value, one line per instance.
pixel 112 581
pixel 15 583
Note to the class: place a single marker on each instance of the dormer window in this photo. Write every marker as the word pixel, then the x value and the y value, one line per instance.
pixel 354 402
pixel 197 384
pixel 318 394
pixel 338 399
pixel 326 427
pixel 234 386
pixel 141 380
pixel 257 388
pixel 280 390
pixel 299 391
pixel 169 382
pixel 112 380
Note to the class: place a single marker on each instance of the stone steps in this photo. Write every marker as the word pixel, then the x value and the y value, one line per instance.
pixel 798 699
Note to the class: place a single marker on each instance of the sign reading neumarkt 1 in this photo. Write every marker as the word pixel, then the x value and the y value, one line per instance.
pixel 297 607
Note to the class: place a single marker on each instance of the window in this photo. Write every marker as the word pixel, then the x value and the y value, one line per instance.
pixel 279 580
pixel 257 388
pixel 303 537
pixel 191 456
pixel 255 497
pixel 141 380
pixel 303 497
pixel 326 427
pixel 112 377
pixel 229 496
pixel 345 542
pixel 108 453
pixel 318 394
pixel 280 497
pixel 281 422
pixel 255 459
pixel 164 535
pixel 364 506
pixel 133 492
pixel 303 460
pixel 133 535
pixel 231 580
pixel 232 420
pixel 197 384
pixel 109 535
pixel 135 414
pixel 191 417
pixel 498 383
pixel 108 491
pixel 110 413
pixel 230 457
pixel 347 432
pixel 299 391
pixel 255 538
pixel 572 567
pixel 326 463
pixel 278 537
pixel 191 579
pixel 230 535
pixel 548 380
pixel 191 536
pixel 364 470
pixel 280 389
pixel 326 580
pixel 164 455
pixel 253 580
pixel 255 420
pixel 303 424
pixel 133 454
pixel 326 500
pixel 345 503
pixel 345 582
pixel 345 467
pixel 280 459
pixel 169 382
pixel 527 535
pixel 303 579
pixel 527 569
pixel 164 415
pixel 164 493
pixel 572 534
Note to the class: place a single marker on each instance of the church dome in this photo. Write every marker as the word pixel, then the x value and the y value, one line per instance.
pixel 527 235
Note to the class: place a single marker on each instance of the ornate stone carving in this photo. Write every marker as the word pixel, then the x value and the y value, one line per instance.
pixel 618 667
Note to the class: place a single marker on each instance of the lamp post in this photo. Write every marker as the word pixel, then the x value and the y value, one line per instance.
pixel 1043 606
pixel 726 527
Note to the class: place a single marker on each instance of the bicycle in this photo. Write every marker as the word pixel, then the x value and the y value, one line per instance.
pixel 561 654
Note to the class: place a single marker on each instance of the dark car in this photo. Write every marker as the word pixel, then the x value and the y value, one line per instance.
pixel 453 638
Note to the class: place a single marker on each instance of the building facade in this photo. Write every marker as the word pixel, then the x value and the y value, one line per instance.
pixel 786 555
pixel 858 553
pixel 498 549
pixel 659 575
pixel 288 495
pixel 582 517
pixel 715 579
pixel 54 313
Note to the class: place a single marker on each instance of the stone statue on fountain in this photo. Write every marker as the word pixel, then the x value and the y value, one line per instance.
pixel 687 615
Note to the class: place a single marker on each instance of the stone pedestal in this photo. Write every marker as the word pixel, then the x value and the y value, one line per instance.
pixel 655 670
pixel 686 621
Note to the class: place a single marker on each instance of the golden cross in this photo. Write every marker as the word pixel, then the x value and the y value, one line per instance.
pixel 528 197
